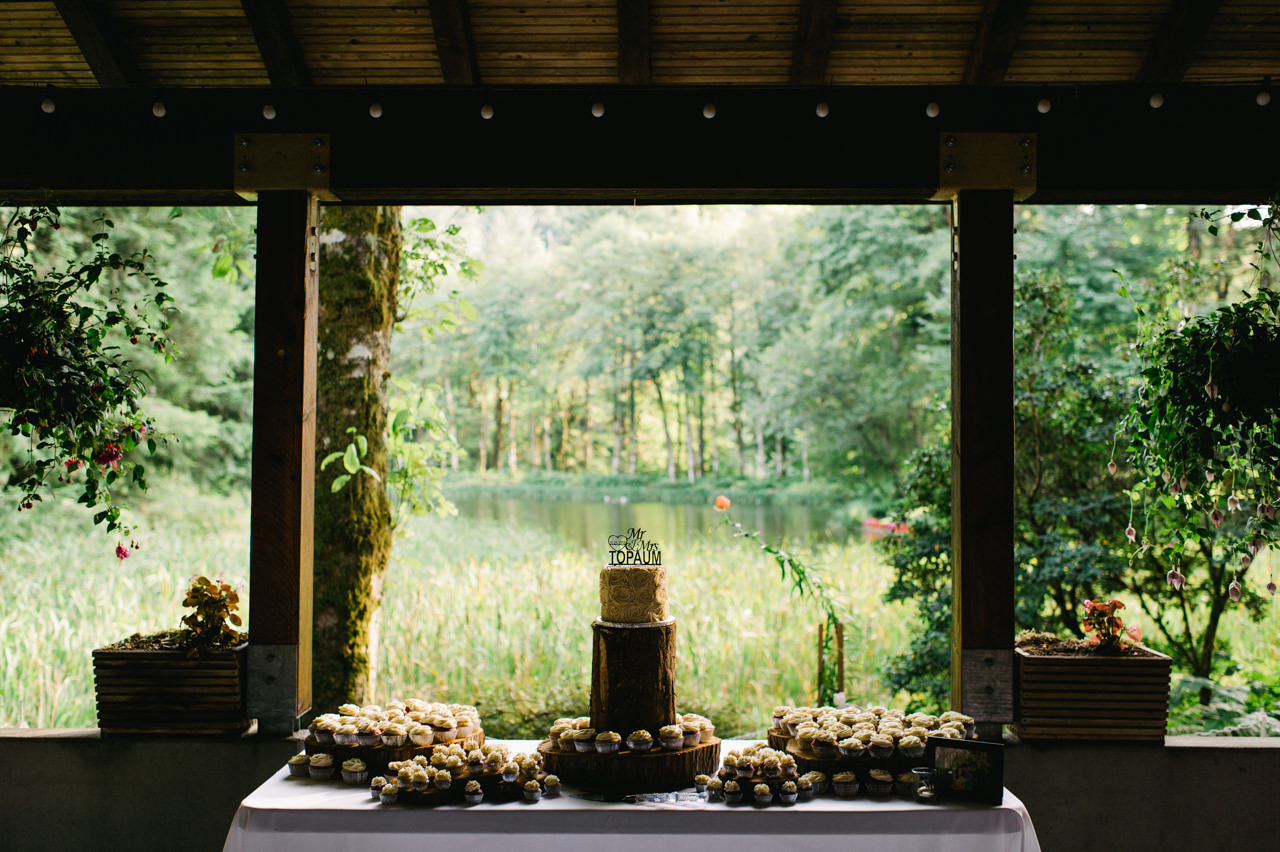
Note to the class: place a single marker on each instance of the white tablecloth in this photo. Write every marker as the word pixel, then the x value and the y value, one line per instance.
pixel 298 815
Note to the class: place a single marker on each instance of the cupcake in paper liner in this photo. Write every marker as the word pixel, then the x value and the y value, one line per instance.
pixel 905 783
pixel 320 767
pixel 640 741
pixel 779 718
pixel 388 794
pixel 788 793
pixel 584 740
pixel 394 735
pixel 671 737
pixel 762 793
pixel 879 782
pixel 299 766
pixel 354 771
pixel 345 735
pixel 691 733
pixel 824 746
pixel 845 784
pixel 472 793
pixel 700 783
pixel 804 787
pixel 367 732
pixel 911 746
pixel 819 781
pixel 532 792
pixel 715 790
pixel 376 783
pixel 551 786
pixel 443 779
pixel 421 735
pixel 607 742
pixel 732 792
pixel 881 746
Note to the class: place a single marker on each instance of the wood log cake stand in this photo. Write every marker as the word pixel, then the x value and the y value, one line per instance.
pixel 376 757
pixel 633 687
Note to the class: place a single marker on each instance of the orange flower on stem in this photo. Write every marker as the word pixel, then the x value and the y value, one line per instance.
pixel 722 503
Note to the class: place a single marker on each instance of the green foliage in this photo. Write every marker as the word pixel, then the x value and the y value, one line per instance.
pixel 352 460
pixel 214 613
pixel 74 391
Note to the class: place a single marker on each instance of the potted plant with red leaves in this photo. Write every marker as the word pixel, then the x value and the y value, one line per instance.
pixel 1104 687
pixel 185 681
pixel 69 334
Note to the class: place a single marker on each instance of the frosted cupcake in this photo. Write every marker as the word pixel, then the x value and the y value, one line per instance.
pixel 388 794
pixel 788 764
pixel 607 742
pixel 715 790
pixel 367 732
pixel 320 766
pixel 394 735
pixel 671 737
pixel 494 760
pixel 794 720
pixel 700 783
pixel 881 746
pixel 475 761
pixel 824 746
pixel 762 793
pixel 466 726
pixel 421 735
pixel 640 741
pixel 879 782
pixel 706 730
pixel 584 740
pixel 819 780
pixel 349 710
pixel 354 771
pixel 299 766
pixel 911 746
pixel 568 740
pixel 345 735
pixel 551 785
pixel 845 784
pixel 510 771
pixel 780 715
pixel 905 783
pixel 443 779
pixel 788 793
pixel 732 792
pixel 472 793
pixel 691 733
pixel 532 792
pixel 421 779
pixel 445 728
pixel 852 747
pixel 324 729
pixel 376 783
pixel 747 766
pixel 771 766
pixel 804 787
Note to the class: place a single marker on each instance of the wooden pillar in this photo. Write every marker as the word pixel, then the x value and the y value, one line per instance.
pixel 284 406
pixel 982 457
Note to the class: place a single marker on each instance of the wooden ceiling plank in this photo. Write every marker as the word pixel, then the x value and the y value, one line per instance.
pixel 635 36
pixel 99 42
pixel 455 42
pixel 1176 41
pixel 277 44
pixel 812 51
pixel 993 44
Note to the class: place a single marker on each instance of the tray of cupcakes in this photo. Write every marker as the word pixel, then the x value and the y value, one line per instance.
pixel 639 760
pixel 399 730
pixel 760 775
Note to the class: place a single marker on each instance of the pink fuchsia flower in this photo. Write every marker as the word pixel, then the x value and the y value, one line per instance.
pixel 1176 579
pixel 1112 468
pixel 122 552
pixel 1208 476
pixel 1233 503
pixel 1246 561
pixel 1254 546
pixel 1217 516
pixel 109 456
pixel 1131 534
pixel 1235 591
pixel 1211 389
pixel 722 503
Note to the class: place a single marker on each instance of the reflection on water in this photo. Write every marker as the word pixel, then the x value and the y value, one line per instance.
pixel 589 525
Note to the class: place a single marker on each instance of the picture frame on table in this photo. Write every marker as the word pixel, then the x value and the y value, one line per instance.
pixel 966 770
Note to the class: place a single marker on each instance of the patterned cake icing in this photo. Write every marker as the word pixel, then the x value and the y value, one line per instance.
pixel 634 594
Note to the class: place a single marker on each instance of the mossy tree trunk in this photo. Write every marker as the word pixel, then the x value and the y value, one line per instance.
pixel 359 274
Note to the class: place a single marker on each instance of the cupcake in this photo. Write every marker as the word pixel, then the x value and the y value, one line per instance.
pixel 453 763
pixel 472 793
pixel 532 792
pixel 881 746
pixel 349 710
pixel 715 790
pixel 607 742
pixel 584 740
pixel 443 779
pixel 762 793
pixel 421 735
pixel 438 757
pixel 819 780
pixel 845 784
pixel 354 771
pixel 911 746
pixel 394 735
pixel 671 737
pixel 747 766
pixel 824 746
pixel 388 794
pixel 466 726
pixel 494 760
pixel 805 735
pixel 568 741
pixel 510 770
pixel 879 782
pixel 706 730
pixel 691 733
pixel 324 729
pixel 804 787
pixel 299 766
pixel 375 786
pixel 794 720
pixel 320 766
pixel 905 783
pixel 420 779
pixel 700 782
pixel 788 764
pixel 780 715
pixel 771 766
pixel 444 728
pixel 852 747
pixel 732 792
pixel 475 761
pixel 639 741
pixel 551 785
pixel 345 735
pixel 788 793
pixel 367 732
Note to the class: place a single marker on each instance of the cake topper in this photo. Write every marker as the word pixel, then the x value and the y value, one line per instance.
pixel 630 548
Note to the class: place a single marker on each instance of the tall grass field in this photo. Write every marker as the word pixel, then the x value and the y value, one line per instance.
pixel 475 611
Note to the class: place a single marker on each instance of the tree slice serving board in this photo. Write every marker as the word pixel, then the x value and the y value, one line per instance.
pixel 632 771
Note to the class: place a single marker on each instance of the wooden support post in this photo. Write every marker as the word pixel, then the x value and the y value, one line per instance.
pixel 284 404
pixel 982 561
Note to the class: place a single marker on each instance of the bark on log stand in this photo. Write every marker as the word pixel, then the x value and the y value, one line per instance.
pixel 633 673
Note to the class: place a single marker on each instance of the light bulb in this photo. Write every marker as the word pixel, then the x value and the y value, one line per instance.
pixel 1263 98
pixel 1156 100
pixel 597 109
pixel 158 110
pixel 268 112
pixel 932 110
pixel 375 110
pixel 486 112
pixel 822 110
pixel 1043 106
pixel 47 106
pixel 709 111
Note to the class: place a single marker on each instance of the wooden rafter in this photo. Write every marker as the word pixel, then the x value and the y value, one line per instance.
pixel 633 42
pixel 455 44
pixel 993 44
pixel 99 43
pixel 1175 44
pixel 817 23
pixel 277 45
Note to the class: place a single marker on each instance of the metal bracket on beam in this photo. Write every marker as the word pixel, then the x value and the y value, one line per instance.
pixel 986 161
pixel 265 161
pixel 273 688
pixel 987 684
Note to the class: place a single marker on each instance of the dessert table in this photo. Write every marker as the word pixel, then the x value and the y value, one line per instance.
pixel 299 815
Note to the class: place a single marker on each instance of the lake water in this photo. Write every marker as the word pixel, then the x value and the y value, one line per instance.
pixel 589 525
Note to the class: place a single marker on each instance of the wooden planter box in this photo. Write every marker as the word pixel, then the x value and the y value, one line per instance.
pixel 167 692
pixel 1092 697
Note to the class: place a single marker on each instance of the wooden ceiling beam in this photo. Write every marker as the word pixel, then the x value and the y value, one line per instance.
pixel 1175 44
pixel 100 43
pixel 634 52
pixel 995 41
pixel 277 44
pixel 455 43
pixel 812 51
